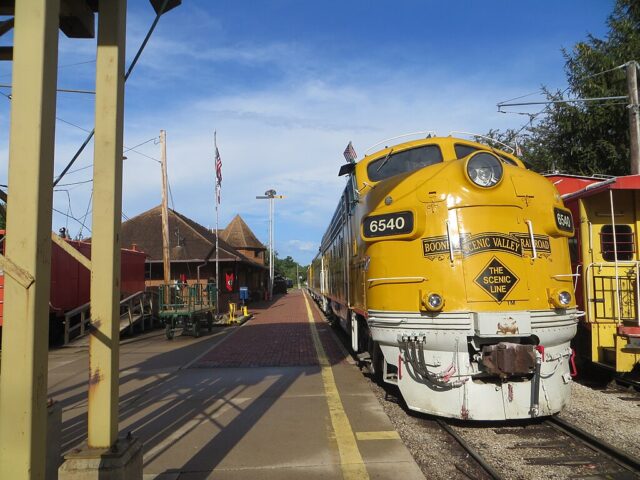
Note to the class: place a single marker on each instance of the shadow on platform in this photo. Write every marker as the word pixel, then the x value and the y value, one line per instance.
pixel 162 405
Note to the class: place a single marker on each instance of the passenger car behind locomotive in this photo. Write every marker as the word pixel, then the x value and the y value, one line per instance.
pixel 447 261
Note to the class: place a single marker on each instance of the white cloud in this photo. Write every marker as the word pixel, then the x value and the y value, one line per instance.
pixel 291 138
pixel 282 122
pixel 303 246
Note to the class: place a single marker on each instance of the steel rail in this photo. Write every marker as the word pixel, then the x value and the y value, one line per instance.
pixel 618 456
pixel 467 448
pixel 627 382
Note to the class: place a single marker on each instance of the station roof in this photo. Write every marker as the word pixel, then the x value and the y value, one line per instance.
pixel 573 187
pixel 240 235
pixel 77 17
pixel 188 240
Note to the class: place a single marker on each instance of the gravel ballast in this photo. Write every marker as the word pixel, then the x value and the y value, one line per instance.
pixel 609 414
pixel 612 415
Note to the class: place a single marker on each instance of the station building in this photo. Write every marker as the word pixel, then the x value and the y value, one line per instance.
pixel 192 251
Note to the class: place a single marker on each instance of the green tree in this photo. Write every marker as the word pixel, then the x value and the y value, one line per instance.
pixel 287 268
pixel 590 137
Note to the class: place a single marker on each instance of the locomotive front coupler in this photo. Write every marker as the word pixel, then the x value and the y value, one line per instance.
pixel 506 359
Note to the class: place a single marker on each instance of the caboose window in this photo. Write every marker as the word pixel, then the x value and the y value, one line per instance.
pixel 404 162
pixel 624 242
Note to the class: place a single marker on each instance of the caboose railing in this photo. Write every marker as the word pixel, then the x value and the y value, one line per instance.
pixel 622 291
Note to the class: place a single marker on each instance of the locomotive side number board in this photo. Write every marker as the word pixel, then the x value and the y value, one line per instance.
pixel 387 224
pixel 564 220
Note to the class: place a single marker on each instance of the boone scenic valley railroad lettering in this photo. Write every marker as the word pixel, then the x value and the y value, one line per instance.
pixel 513 243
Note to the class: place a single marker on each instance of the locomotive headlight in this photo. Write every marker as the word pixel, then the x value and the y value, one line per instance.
pixel 564 298
pixel 560 298
pixel 435 302
pixel 484 169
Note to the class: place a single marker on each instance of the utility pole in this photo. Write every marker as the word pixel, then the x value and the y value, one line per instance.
pixel 166 261
pixel 634 116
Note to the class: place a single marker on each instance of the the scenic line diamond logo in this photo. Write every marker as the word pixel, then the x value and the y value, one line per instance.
pixel 496 279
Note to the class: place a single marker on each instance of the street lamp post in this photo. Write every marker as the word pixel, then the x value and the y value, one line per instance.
pixel 270 195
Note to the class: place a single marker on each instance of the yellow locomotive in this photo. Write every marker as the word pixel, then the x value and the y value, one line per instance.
pixel 448 262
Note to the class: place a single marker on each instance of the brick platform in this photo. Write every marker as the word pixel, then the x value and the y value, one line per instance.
pixel 279 335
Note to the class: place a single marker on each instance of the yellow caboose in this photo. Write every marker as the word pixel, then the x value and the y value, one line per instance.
pixel 604 255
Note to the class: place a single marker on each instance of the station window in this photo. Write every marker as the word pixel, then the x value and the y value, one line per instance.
pixel 623 241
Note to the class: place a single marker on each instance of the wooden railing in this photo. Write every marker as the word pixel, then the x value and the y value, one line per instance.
pixel 139 308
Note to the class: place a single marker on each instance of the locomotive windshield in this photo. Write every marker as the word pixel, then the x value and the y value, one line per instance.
pixel 404 162
pixel 464 150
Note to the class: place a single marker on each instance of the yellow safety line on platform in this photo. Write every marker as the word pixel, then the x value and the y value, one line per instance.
pixel 350 459
pixel 384 435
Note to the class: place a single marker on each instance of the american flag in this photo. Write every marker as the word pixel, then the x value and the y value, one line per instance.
pixel 218 169
pixel 518 151
pixel 350 153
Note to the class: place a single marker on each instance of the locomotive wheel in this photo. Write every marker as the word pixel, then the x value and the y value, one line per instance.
pixel 168 331
pixel 376 362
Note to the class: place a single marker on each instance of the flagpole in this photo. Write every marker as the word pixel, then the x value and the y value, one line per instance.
pixel 215 143
pixel 217 257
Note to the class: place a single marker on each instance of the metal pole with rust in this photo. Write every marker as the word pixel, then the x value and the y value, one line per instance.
pixel 634 116
pixel 23 382
pixel 105 242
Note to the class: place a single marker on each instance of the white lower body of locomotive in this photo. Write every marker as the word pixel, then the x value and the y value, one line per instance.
pixel 431 358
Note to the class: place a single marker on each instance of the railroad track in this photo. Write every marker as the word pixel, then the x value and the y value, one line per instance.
pixel 543 448
pixel 480 461
pixel 623 459
pixel 628 382
pixel 549 447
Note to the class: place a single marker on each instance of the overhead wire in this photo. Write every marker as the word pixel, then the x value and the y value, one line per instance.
pixel 59 67
pixel 86 214
pixel 126 76
pixel 69 209
pixel 72 124
pixel 547 103
pixel 75 183
pixel 533 116
pixel 139 145
pixel 73 218
pixel 126 150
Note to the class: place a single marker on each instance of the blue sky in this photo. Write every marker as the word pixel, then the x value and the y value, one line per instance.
pixel 287 84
